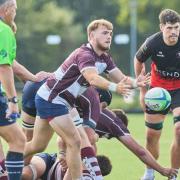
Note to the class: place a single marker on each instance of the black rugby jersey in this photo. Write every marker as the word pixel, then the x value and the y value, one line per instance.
pixel 165 66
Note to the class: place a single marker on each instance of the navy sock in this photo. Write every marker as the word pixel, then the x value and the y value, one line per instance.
pixel 14 165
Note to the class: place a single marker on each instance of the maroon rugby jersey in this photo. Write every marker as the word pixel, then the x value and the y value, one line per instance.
pixel 68 82
pixel 109 125
pixel 88 106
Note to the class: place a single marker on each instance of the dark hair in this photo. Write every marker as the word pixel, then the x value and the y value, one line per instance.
pixel 104 164
pixel 121 115
pixel 168 16
pixel 105 96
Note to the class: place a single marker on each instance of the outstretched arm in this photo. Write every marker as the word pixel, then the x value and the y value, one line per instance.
pixel 96 80
pixel 141 80
pixel 146 157
pixel 24 74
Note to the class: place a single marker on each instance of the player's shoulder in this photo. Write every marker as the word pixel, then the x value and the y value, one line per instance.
pixel 5 29
pixel 85 52
pixel 154 38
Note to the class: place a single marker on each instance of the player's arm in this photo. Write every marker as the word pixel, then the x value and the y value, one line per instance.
pixel 145 156
pixel 91 75
pixel 117 76
pixel 24 74
pixel 6 72
pixel 141 56
pixel 7 80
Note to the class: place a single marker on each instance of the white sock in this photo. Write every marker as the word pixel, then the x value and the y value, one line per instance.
pixel 174 178
pixel 149 172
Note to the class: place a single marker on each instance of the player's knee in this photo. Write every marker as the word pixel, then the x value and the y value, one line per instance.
pixel 26 174
pixel 74 143
pixel 154 126
pixel 18 142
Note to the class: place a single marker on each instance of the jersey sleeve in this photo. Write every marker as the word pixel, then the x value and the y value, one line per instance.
pixel 7 48
pixel 85 61
pixel 144 51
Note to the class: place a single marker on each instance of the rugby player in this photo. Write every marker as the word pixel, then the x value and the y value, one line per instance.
pixel 57 95
pixel 163 49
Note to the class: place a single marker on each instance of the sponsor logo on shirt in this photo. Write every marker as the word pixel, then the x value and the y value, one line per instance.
pixel 168 74
pixel 160 54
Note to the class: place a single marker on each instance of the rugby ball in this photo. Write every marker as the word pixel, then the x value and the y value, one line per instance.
pixel 157 99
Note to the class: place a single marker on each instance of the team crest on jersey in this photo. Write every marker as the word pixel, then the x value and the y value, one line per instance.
pixel 178 55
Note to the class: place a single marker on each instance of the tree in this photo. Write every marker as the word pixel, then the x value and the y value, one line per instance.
pixel 35 21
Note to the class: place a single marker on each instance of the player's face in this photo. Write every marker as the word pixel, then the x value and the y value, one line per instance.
pixel 10 12
pixel 170 33
pixel 103 37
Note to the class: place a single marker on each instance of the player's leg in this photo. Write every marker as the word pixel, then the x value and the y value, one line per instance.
pixel 3 173
pixel 41 137
pixel 28 124
pixel 154 124
pixel 175 148
pixel 15 138
pixel 64 127
pixel 88 155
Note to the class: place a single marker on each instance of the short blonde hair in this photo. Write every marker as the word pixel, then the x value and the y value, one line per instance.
pixel 98 22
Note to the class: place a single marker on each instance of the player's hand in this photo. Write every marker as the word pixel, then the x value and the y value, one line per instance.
pixel 123 88
pixel 62 160
pixel 42 75
pixel 143 79
pixel 169 172
pixel 13 111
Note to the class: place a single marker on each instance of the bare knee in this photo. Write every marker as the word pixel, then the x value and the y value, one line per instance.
pixel 74 143
pixel 26 173
pixel 17 142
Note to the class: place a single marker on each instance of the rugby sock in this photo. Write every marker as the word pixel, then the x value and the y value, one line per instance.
pixel 14 164
pixel 3 173
pixel 86 175
pixel 149 173
pixel 90 161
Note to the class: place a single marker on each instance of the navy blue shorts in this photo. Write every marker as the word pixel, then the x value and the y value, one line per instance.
pixel 175 102
pixel 49 160
pixel 48 110
pixel 28 97
pixel 3 108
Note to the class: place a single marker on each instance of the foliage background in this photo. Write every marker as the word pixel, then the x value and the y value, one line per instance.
pixel 36 19
pixel 68 18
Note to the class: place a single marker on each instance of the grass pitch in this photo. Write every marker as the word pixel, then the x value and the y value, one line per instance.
pixel 126 166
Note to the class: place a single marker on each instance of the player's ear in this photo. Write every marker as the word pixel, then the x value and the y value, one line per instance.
pixel 91 35
pixel 161 27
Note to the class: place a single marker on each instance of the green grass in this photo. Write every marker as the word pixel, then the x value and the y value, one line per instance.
pixel 126 166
